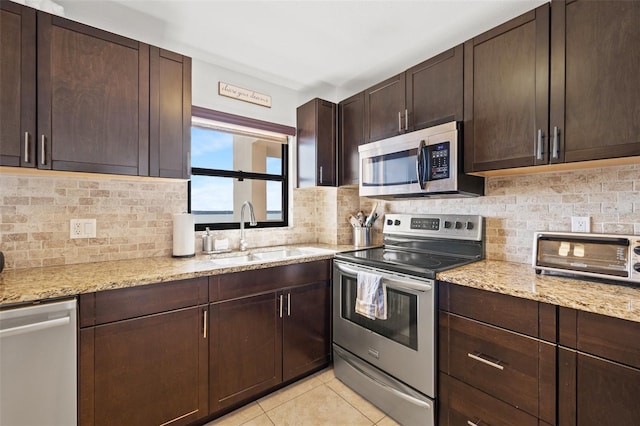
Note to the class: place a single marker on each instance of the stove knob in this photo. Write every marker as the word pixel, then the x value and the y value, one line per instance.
pixel 468 225
pixel 389 222
pixel 636 250
pixel 397 222
pixel 458 225
pixel 637 267
pixel 447 224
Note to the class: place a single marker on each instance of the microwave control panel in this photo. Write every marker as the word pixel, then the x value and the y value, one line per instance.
pixel 439 160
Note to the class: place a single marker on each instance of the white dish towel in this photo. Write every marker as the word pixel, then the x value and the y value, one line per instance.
pixel 371 296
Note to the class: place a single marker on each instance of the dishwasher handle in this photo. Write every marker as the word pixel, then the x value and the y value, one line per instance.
pixel 28 328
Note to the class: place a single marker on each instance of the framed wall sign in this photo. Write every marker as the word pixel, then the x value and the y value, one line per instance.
pixel 235 92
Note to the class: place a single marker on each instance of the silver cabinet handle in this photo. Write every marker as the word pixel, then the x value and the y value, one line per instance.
pixel 288 304
pixel 320 174
pixel 555 151
pixel 204 324
pixel 43 160
pixel 26 147
pixel 540 149
pixel 406 120
pixel 478 357
pixel 470 423
pixel 399 122
pixel 281 300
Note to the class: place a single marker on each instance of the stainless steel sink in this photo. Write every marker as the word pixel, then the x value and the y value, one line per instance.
pixel 269 255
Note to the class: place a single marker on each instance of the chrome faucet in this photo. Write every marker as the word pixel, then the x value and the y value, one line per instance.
pixel 252 222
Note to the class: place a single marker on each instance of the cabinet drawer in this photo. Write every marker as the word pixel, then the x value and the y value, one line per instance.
pixel 464 405
pixel 258 281
pixel 512 313
pixel 496 361
pixel 612 338
pixel 115 305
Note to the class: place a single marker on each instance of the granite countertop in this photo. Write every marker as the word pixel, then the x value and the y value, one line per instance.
pixel 517 279
pixel 35 284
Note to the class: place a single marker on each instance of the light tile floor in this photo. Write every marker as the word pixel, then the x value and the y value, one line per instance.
pixel 319 400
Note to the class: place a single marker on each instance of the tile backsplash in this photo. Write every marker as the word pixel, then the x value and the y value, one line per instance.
pixel 134 215
pixel 517 206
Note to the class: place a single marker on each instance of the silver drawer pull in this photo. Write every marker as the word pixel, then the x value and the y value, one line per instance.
pixel 478 357
pixel 470 423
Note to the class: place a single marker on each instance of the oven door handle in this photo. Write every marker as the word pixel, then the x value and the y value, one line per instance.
pixel 394 283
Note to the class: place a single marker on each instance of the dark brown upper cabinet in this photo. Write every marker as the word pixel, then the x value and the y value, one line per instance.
pixel 506 94
pixel 91 111
pixel 556 85
pixel 350 137
pixel 316 137
pixel 427 94
pixel 17 85
pixel 595 88
pixel 170 114
pixel 385 112
pixel 93 99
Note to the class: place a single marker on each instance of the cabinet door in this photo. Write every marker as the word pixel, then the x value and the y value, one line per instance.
pixel 506 91
pixel 316 147
pixel 434 90
pixel 17 85
pixel 306 330
pixel 93 99
pixel 170 114
pixel 594 79
pixel 594 391
pixel 351 136
pixel 146 371
pixel 245 349
pixel 385 109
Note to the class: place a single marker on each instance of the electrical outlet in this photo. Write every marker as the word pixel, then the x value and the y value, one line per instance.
pixel 82 228
pixel 580 224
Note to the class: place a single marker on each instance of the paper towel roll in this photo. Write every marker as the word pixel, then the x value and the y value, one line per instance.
pixel 183 235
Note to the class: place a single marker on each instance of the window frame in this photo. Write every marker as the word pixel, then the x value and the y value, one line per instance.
pixel 237 174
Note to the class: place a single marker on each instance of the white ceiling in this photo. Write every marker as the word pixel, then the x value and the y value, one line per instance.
pixel 304 45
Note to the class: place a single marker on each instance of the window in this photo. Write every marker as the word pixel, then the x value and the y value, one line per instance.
pixel 235 159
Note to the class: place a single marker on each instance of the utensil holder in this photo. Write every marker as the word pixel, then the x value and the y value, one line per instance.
pixel 362 237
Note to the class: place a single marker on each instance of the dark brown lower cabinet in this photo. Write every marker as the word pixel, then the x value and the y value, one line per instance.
pixel 464 405
pixel 305 339
pixel 268 327
pixel 598 370
pixel 144 370
pixel 245 349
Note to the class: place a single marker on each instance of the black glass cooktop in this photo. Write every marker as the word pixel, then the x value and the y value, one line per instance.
pixel 421 264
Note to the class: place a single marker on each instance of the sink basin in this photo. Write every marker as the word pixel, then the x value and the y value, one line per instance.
pixel 269 255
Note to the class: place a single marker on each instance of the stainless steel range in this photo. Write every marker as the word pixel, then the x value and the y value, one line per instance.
pixel 392 361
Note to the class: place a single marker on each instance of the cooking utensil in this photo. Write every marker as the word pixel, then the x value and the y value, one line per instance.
pixel 369 220
pixel 354 222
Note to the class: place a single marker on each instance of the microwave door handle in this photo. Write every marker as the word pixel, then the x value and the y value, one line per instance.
pixel 420 164
pixel 400 284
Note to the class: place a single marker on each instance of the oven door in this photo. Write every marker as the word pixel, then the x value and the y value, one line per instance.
pixel 403 345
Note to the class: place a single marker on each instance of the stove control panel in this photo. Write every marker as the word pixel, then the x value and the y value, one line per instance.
pixel 467 227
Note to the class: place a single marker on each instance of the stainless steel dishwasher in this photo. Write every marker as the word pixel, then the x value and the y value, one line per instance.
pixel 38 384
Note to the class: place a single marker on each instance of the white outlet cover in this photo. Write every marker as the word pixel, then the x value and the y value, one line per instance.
pixel 581 224
pixel 82 228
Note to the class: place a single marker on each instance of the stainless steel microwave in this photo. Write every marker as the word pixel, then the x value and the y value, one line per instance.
pixel 607 256
pixel 423 163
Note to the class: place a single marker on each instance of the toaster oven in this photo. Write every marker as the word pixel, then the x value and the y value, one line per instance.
pixel 606 256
